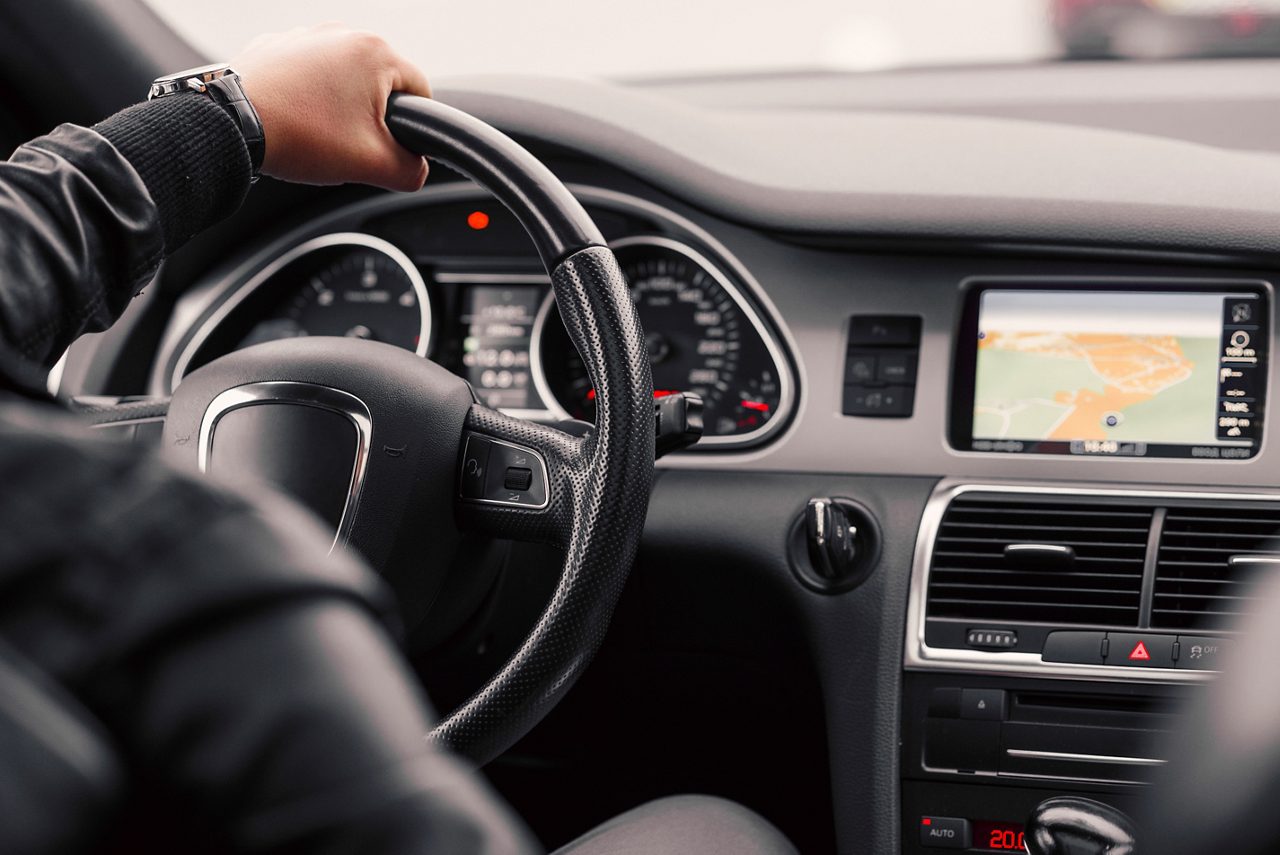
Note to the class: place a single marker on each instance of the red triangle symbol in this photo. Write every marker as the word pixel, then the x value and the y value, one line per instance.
pixel 1140 652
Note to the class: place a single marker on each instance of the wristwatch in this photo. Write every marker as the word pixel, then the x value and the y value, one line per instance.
pixel 222 85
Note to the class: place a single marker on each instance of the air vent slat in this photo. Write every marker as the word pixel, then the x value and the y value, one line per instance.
pixel 1015 573
pixel 993 510
pixel 984 526
pixel 1092 607
pixel 1196 587
pixel 972 579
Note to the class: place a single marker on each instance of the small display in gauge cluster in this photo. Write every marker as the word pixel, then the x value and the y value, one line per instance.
pixel 498 326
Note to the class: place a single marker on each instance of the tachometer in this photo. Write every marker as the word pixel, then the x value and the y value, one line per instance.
pixel 702 337
pixel 355 286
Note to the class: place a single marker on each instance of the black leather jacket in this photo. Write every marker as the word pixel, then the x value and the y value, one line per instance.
pixel 246 682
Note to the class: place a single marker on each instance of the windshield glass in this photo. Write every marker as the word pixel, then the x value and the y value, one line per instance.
pixel 672 38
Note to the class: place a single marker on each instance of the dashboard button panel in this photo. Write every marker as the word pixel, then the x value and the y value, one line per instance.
pixel 880 366
pixel 1081 648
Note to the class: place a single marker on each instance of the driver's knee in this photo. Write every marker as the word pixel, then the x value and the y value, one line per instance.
pixel 684 825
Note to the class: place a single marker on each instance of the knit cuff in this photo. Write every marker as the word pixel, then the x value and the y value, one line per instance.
pixel 190 155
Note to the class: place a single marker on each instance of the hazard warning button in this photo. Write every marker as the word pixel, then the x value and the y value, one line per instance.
pixel 1140 650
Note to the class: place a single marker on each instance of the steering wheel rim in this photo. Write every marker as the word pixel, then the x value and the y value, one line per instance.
pixel 412 427
pixel 598 484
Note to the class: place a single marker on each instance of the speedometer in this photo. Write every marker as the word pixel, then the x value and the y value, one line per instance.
pixel 702 337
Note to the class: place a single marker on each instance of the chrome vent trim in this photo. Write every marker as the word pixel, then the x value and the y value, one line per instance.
pixel 919 656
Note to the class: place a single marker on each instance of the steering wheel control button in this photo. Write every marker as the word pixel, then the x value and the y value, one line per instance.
pixel 944 832
pixel 1080 648
pixel 1140 650
pixel 982 704
pixel 1201 653
pixel 501 473
pixel 475 467
pixel 517 478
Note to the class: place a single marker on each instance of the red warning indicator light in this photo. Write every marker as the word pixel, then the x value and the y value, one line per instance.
pixel 926 821
pixel 1139 653
pixel 478 220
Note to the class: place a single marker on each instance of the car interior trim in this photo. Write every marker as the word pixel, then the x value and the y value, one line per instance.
pixel 304 394
pixel 1069 757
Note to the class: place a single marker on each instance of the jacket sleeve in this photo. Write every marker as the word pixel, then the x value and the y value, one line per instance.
pixel 245 677
pixel 87 215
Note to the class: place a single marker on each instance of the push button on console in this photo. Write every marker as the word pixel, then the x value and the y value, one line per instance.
pixel 1081 648
pixel 1140 650
pixel 944 832
pixel 1200 653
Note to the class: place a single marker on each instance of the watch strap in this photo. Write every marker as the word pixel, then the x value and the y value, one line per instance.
pixel 228 93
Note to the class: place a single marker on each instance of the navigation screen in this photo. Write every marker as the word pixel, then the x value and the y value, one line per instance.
pixel 1118 373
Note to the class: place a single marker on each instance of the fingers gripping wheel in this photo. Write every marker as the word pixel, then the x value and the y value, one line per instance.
pixel 597 485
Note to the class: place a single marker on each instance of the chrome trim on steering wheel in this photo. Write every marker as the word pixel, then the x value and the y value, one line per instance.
pixel 307 395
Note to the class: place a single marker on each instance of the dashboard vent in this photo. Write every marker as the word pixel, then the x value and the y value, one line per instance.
pixel 1198 584
pixel 1095 579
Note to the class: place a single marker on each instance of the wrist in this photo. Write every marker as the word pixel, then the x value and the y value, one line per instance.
pixel 221 85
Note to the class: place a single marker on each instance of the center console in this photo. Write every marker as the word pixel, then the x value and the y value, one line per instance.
pixel 1052 634
pixel 1054 630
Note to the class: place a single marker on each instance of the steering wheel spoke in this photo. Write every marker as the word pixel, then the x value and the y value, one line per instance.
pixel 516 477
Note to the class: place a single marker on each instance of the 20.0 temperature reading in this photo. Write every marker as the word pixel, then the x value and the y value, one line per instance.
pixel 998 836
pixel 1005 839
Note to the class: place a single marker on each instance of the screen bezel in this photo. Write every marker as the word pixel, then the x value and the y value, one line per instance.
pixel 965 349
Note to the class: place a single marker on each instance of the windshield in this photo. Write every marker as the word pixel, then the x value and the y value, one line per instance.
pixel 673 38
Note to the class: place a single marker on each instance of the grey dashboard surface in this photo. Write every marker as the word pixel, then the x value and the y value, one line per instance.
pixel 1226 103
pixel 884 174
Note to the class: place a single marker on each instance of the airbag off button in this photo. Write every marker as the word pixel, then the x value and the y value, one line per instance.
pixel 944 832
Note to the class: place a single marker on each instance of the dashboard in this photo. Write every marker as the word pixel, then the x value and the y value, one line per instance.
pixel 1045 391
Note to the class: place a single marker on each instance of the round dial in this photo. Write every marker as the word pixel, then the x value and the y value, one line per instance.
pixel 701 338
pixel 358 291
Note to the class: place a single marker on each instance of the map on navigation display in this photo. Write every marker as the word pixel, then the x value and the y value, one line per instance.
pixel 1073 365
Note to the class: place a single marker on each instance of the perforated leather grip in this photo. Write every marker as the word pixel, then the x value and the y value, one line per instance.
pixel 599 497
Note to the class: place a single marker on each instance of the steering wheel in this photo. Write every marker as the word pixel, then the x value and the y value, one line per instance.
pixel 403 460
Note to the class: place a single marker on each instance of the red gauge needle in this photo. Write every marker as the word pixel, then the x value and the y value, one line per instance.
pixel 758 406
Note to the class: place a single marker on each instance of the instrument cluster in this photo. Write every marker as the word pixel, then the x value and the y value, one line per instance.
pixel 456 281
